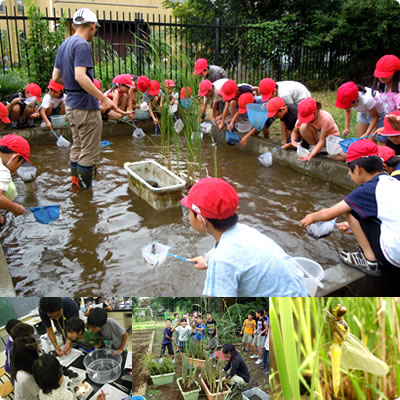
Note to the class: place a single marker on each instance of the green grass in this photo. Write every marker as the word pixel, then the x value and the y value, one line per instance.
pixel 300 363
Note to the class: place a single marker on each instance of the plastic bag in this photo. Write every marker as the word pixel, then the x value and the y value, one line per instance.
pixel 320 229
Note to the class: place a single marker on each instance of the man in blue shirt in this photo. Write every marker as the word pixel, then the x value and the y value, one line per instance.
pixel 74 69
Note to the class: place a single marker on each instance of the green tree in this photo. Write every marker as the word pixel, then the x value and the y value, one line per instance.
pixel 39 49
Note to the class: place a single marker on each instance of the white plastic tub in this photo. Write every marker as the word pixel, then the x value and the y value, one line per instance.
pixel 103 366
pixel 254 393
pixel 58 121
pixel 313 273
pixel 155 184
pixel 333 145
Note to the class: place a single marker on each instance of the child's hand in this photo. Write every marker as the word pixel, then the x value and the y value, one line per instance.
pixel 199 262
pixel 286 146
pixel 244 141
pixel 49 125
pixel 344 227
pixel 346 132
pixel 18 209
pixel 59 352
pixel 35 115
pixel 116 352
pixel 221 125
pixel 307 220
pixel 155 120
pixel 101 396
pixel 306 158
pixel 67 348
pixel 230 126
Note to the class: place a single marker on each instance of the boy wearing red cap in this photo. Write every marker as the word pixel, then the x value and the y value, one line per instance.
pixel 210 72
pixel 22 106
pixel 371 211
pixel 152 96
pixel 209 91
pixel 314 126
pixel 243 100
pixel 14 151
pixel 370 112
pixel 391 162
pixel 391 130
pixel 244 262
pixel 291 91
pixel 53 103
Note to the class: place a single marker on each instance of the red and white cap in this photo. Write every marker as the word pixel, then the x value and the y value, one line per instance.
pixel 154 88
pixel 388 130
pixel 18 145
pixel 200 65
pixel 243 100
pixel 386 153
pixel 212 198
pixel 361 148
pixel 228 90
pixel 204 87
pixel 169 83
pixel 55 86
pixel 34 90
pixel 124 79
pixel 186 92
pixel 143 83
pixel 4 113
pixel 387 66
pixel 267 86
pixel 274 105
pixel 306 110
pixel 346 94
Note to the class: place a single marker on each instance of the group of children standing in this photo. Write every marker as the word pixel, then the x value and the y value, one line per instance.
pixel 38 375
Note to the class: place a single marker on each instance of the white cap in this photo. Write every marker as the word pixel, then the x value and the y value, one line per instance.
pixel 83 16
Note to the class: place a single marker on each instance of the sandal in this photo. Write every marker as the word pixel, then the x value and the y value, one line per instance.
pixel 358 261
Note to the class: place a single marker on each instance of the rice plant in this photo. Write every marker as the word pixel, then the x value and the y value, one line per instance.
pixel 189 371
pixel 300 363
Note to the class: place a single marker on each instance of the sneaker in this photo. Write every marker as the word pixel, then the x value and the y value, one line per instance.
pixel 358 261
pixel 254 356
pixel 258 362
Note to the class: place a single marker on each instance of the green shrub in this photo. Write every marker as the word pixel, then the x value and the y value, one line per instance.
pixel 10 83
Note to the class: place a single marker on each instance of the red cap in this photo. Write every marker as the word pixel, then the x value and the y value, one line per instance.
pixel 186 92
pixel 97 83
pixel 4 113
pixel 212 198
pixel 169 83
pixel 228 90
pixel 17 144
pixel 124 79
pixel 55 86
pixel 387 66
pixel 306 110
pixel 34 90
pixel 361 148
pixel 200 65
pixel 245 98
pixel 143 83
pixel 346 94
pixel 274 105
pixel 388 130
pixel 386 153
pixel 204 87
pixel 154 88
pixel 267 86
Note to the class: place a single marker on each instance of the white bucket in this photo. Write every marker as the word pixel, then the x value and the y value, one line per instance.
pixel 333 145
pixel 144 106
pixel 313 273
pixel 58 121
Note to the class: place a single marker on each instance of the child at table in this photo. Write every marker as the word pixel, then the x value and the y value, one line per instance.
pixel 114 335
pixel 10 324
pixel 75 330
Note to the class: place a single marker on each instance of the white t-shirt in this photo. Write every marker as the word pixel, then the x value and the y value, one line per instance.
pixel 217 85
pixel 183 332
pixel 25 387
pixel 266 343
pixel 247 263
pixel 292 92
pixel 367 102
pixel 6 183
pixel 113 331
pixel 55 102
pixel 61 393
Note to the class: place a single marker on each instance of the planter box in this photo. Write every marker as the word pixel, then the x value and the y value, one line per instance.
pixel 255 393
pixel 192 395
pixel 213 396
pixel 155 184
pixel 199 363
pixel 163 379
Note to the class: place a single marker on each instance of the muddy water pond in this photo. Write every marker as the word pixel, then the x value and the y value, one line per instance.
pixel 95 245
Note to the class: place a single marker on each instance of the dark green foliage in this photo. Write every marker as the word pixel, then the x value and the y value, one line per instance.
pixel 11 82
pixel 39 49
pixel 157 366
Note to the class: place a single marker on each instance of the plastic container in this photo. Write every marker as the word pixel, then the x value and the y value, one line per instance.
pixel 141 115
pixel 257 114
pixel 254 393
pixel 243 126
pixel 155 184
pixel 192 395
pixel 224 391
pixel 138 398
pixel 302 152
pixel 163 379
pixel 313 273
pixel 205 127
pixel 58 121
pixel 103 366
pixel 155 253
pixel 333 145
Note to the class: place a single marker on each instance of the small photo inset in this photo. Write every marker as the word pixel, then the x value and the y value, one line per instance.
pixel 200 348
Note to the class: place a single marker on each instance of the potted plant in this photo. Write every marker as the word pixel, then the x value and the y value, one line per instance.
pixel 162 371
pixel 197 353
pixel 188 385
pixel 211 381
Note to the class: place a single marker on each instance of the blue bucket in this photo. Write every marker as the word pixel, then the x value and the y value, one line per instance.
pixel 345 144
pixel 257 114
pixel 187 102
pixel 231 138
pixel 138 398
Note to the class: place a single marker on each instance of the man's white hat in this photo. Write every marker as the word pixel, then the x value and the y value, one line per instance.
pixel 83 16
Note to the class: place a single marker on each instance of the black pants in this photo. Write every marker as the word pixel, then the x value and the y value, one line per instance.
pixel 169 347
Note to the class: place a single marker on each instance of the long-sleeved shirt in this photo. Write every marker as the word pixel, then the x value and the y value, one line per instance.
pixel 238 367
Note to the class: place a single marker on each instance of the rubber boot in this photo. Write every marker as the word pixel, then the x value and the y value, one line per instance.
pixel 85 176
pixel 74 173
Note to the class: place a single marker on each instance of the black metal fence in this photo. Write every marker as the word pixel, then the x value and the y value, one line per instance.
pixel 147 44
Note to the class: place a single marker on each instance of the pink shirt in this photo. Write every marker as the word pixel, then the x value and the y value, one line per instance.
pixel 324 123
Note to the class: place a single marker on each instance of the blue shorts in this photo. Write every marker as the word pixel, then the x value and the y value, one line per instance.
pixel 366 117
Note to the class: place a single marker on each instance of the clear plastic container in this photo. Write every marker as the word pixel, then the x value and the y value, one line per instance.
pixel 58 121
pixel 103 366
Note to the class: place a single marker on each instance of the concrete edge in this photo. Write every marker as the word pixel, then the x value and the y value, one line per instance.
pixel 142 390
pixel 6 284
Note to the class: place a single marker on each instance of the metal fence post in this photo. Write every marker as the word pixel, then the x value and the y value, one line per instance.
pixel 217 40
pixel 138 44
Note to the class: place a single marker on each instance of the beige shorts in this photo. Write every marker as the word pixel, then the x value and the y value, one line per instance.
pixel 237 379
pixel 86 126
pixel 247 338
